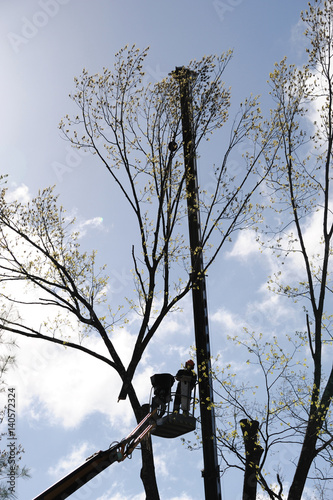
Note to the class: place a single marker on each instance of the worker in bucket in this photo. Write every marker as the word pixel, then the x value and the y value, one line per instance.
pixel 186 382
pixel 162 383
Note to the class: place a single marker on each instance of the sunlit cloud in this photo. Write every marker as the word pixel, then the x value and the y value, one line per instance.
pixel 84 226
pixel 245 246
pixel 120 496
pixel 68 463
pixel 79 384
pixel 18 193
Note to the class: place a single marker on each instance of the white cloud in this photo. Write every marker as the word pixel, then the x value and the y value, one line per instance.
pixel 286 266
pixel 270 311
pixel 257 315
pixel 183 496
pixel 162 465
pixel 68 463
pixel 83 226
pixel 244 246
pixel 120 496
pixel 292 267
pixel 231 322
pixel 297 38
pixel 64 386
pixel 321 89
pixel 19 193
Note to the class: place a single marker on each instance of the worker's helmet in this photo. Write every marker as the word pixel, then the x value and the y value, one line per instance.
pixel 190 363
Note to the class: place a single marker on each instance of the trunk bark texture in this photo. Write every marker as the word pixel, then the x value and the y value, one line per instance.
pixel 253 452
pixel 147 475
pixel 306 457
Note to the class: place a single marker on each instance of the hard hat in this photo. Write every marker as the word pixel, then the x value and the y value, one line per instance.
pixel 190 362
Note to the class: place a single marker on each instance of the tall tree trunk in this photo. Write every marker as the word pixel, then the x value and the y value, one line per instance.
pixel 318 413
pixel 253 452
pixel 147 474
pixel 306 458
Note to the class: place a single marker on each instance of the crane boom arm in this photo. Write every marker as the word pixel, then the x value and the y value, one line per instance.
pixel 80 476
pixel 98 462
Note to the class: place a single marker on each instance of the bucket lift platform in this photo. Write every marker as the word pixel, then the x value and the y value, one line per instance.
pixel 174 425
pixel 161 421
pixel 170 423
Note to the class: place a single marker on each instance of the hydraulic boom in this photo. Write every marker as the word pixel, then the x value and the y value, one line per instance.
pixel 99 461
pixel 162 420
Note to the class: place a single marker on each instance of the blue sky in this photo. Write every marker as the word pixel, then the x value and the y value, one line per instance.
pixel 67 403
